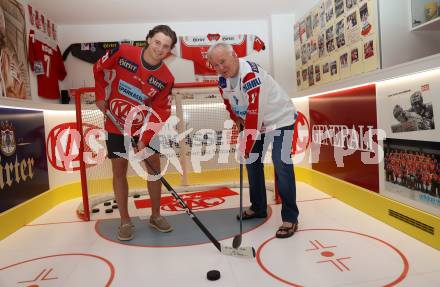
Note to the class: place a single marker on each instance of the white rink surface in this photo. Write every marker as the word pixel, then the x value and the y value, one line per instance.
pixel 335 245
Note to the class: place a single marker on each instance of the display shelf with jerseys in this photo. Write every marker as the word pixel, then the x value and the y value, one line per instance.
pixel 47 64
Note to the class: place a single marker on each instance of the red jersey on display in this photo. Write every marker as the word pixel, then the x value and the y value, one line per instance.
pixel 47 64
pixel 195 48
pixel 125 81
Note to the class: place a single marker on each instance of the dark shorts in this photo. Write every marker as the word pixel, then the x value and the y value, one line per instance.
pixel 115 144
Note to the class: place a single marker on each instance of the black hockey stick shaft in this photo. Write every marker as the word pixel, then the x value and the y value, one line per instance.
pixel 170 189
pixel 236 242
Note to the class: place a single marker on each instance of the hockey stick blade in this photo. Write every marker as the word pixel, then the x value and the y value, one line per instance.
pixel 244 251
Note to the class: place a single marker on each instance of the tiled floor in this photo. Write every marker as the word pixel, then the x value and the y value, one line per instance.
pixel 335 245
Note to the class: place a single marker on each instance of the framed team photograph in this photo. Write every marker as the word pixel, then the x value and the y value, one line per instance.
pixel 343 59
pixel 322 16
pixel 329 12
pixel 354 55
pixel 410 173
pixel 311 76
pixel 364 15
pixel 352 20
pixel 309 30
pixel 339 8
pixel 318 73
pixel 333 68
pixel 350 3
pixel 325 68
pixel 304 75
pixel 321 45
pixel 368 49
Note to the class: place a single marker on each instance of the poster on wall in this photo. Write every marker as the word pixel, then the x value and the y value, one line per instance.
pixel 409 107
pixel 411 173
pixel 409 112
pixel 14 76
pixel 344 138
pixel 345 32
pixel 23 164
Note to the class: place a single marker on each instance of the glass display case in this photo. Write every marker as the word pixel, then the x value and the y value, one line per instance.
pixel 425 14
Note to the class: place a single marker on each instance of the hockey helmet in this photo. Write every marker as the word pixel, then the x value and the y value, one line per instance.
pixel 416 97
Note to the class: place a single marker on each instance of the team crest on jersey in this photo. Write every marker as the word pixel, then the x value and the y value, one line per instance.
pixel 120 108
pixel 8 143
pixel 155 82
pixel 222 82
pixel 254 66
pixel 128 65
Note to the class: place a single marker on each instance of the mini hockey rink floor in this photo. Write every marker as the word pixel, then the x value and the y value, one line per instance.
pixel 335 245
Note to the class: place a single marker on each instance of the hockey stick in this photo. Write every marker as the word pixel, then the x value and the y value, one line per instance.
pixel 248 252
pixel 236 242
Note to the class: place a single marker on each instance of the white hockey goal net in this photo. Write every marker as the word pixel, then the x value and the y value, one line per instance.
pixel 198 146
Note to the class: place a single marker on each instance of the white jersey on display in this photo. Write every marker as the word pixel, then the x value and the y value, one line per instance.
pixel 195 48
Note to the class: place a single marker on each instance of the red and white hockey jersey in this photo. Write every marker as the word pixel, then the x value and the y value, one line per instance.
pixel 47 64
pixel 125 81
pixel 195 48
pixel 258 99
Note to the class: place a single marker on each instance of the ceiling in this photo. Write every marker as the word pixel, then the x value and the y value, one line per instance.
pixel 68 12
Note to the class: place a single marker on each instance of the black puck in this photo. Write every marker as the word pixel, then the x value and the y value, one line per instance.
pixel 136 195
pixel 107 203
pixel 114 206
pixel 213 275
pixel 95 210
pixel 109 210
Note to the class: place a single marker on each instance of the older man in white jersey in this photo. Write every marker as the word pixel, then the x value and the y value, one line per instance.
pixel 256 101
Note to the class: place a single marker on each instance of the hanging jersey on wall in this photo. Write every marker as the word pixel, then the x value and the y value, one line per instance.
pixel 195 48
pixel 48 66
pixel 92 52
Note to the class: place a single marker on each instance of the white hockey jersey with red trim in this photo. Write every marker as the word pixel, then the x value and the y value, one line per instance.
pixel 258 99
pixel 47 64
pixel 195 48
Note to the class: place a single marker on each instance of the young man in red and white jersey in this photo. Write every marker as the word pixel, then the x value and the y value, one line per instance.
pixel 129 77
pixel 255 101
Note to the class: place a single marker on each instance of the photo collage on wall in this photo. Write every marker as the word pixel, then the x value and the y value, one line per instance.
pixel 335 40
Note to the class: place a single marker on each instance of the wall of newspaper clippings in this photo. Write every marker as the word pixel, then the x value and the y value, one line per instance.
pixel 335 40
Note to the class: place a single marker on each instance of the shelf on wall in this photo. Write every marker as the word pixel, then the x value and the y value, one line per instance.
pixel 431 25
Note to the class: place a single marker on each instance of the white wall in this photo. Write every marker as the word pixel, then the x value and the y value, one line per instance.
pixel 283 51
pixel 80 73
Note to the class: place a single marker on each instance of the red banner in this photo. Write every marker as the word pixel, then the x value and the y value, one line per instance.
pixel 344 141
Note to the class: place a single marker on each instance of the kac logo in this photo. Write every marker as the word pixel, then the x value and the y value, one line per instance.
pixel 64 144
pixel 301 143
pixel 8 143
pixel 120 108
